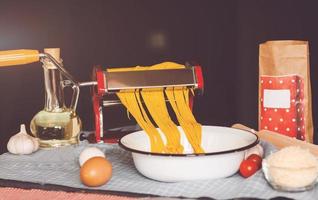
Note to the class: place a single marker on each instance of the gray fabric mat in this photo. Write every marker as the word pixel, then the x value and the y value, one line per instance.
pixel 60 167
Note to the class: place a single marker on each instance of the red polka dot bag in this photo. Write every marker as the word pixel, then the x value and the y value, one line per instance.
pixel 284 89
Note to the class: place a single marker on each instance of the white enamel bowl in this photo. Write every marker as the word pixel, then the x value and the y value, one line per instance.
pixel 224 151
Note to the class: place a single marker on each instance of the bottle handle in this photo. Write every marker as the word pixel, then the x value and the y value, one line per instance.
pixel 69 82
pixel 75 94
pixel 18 57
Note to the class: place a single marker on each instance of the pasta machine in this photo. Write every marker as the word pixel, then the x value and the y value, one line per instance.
pixel 107 83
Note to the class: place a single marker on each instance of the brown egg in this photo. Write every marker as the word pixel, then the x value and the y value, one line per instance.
pixel 96 171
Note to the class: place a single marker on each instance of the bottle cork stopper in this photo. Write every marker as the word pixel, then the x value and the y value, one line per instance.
pixel 55 53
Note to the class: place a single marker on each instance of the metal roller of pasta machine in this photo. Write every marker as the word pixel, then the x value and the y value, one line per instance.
pixel 107 83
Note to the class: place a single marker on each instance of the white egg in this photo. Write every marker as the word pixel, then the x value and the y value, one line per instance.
pixel 258 149
pixel 90 152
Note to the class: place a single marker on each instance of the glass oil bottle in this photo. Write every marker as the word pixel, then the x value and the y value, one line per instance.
pixel 56 125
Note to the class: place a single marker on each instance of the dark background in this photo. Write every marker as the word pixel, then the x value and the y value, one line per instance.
pixel 223 36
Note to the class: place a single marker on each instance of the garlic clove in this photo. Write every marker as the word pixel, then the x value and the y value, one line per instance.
pixel 25 144
pixel 11 146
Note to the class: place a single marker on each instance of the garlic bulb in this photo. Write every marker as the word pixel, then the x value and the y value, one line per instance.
pixel 22 143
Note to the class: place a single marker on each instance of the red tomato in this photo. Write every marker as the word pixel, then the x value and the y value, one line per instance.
pixel 248 168
pixel 255 158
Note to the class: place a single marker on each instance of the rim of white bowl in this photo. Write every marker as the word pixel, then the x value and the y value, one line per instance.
pixel 254 143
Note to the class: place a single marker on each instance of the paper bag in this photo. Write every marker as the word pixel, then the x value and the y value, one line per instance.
pixel 284 89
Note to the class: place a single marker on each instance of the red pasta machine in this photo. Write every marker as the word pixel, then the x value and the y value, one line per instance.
pixel 108 83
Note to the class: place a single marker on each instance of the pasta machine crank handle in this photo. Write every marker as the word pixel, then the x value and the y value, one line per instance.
pixel 89 83
pixel 18 57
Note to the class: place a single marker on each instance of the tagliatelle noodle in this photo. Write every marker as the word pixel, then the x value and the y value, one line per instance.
pixel 179 100
pixel 156 105
pixel 130 99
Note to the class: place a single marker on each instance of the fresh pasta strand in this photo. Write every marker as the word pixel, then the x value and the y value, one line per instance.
pixel 179 101
pixel 128 98
pixel 155 102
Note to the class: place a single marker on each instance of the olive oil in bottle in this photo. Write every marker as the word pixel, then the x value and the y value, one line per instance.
pixel 56 129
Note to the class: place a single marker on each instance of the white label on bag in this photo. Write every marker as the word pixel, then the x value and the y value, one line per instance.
pixel 276 98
